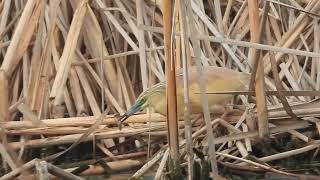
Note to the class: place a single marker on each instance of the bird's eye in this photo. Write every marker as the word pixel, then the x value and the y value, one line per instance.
pixel 143 100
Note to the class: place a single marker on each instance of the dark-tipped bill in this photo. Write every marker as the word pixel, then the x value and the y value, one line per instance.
pixel 135 108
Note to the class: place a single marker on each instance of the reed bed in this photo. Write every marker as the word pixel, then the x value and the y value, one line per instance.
pixel 69 68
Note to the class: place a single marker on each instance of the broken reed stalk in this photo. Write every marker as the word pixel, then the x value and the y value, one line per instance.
pixel 142 46
pixel 171 97
pixel 150 163
pixel 83 121
pixel 159 173
pixel 204 98
pixel 58 172
pixel 7 158
pixel 185 59
pixel 41 170
pixel 67 139
pixel 68 53
pixel 291 153
pixel 256 30
pixel 276 77
pixel 10 61
pixel 268 168
pixel 4 97
pixel 18 170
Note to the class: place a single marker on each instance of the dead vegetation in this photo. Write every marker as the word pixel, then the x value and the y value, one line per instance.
pixel 70 67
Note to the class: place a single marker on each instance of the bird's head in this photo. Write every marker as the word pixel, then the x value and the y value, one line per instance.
pixel 140 104
pixel 142 101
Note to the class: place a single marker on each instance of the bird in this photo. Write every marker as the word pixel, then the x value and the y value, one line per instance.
pixel 216 79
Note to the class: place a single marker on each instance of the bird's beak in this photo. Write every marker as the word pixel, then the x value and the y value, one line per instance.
pixel 135 108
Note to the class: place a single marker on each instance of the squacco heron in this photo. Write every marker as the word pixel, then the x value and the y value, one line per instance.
pixel 216 78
